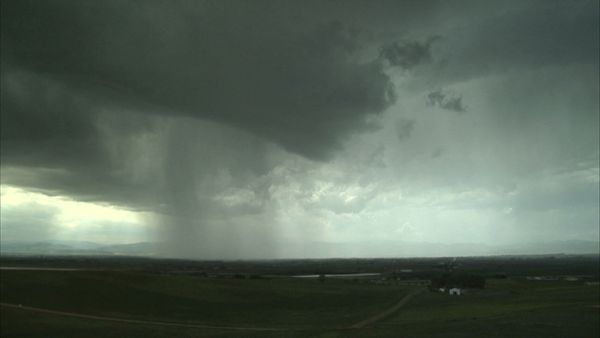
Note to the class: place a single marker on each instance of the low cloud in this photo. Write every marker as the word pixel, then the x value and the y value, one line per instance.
pixel 530 35
pixel 407 54
pixel 300 85
pixel 142 106
pixel 446 100
pixel 233 123
pixel 404 128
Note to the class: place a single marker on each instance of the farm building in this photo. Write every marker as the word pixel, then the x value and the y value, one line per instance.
pixel 454 291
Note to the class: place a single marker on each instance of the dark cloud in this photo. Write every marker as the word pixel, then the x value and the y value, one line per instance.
pixel 298 84
pixel 518 35
pixel 446 100
pixel 44 122
pixel 439 151
pixel 404 128
pixel 196 110
pixel 407 54
pixel 96 97
pixel 55 139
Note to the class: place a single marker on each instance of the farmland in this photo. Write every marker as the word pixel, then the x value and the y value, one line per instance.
pixel 259 299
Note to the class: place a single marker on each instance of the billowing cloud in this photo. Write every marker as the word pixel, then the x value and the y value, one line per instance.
pixel 408 54
pixel 515 36
pixel 237 126
pixel 90 90
pixel 404 128
pixel 447 101
pixel 301 85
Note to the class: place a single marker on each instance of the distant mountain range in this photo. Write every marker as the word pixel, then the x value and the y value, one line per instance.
pixel 430 249
pixel 77 248
pixel 316 249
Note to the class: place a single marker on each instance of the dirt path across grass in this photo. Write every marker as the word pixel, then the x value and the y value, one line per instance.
pixel 138 321
pixel 386 313
pixel 357 325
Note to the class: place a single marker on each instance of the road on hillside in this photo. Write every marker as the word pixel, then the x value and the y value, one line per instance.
pixel 387 312
pixel 135 321
pixel 357 325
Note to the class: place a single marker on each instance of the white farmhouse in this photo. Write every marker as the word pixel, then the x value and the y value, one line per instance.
pixel 454 291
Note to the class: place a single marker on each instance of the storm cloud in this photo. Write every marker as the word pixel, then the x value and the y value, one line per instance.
pixel 234 126
pixel 405 128
pixel 408 54
pixel 446 101
pixel 302 86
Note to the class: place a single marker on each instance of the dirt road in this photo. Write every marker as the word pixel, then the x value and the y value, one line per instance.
pixel 387 312
pixel 138 321
pixel 358 325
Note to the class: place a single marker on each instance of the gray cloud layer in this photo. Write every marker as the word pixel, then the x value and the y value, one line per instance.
pixel 516 35
pixel 299 85
pixel 217 115
pixel 408 54
pixel 446 101
pixel 73 72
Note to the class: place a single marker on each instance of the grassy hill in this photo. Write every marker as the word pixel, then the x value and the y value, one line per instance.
pixel 513 306
pixel 280 302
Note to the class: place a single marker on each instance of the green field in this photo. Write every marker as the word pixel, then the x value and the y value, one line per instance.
pixel 506 308
pixel 290 307
pixel 273 303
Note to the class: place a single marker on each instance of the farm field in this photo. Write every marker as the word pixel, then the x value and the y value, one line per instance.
pixel 281 302
pixel 507 308
pixel 276 306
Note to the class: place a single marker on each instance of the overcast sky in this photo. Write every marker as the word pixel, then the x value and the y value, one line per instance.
pixel 273 129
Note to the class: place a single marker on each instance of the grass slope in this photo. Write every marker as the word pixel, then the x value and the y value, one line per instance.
pixel 506 308
pixel 223 302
